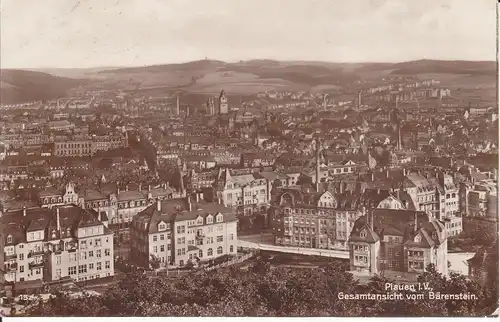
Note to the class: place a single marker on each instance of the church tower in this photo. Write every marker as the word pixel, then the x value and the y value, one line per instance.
pixel 211 106
pixel 223 105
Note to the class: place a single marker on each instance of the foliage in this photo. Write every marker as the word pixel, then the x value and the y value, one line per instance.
pixel 262 290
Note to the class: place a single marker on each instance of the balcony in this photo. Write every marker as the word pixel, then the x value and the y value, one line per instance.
pixel 200 235
pixel 11 267
pixel 35 265
pixel 35 253
pixel 11 256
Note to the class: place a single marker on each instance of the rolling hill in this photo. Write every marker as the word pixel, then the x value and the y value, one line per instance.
pixel 242 78
pixel 23 86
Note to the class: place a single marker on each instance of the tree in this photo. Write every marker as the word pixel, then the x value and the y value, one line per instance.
pixel 154 262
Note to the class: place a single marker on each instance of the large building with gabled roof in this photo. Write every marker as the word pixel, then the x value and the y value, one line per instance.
pixel 398 240
pixel 178 231
pixel 44 245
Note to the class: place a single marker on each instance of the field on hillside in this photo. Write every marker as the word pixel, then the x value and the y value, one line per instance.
pixel 236 83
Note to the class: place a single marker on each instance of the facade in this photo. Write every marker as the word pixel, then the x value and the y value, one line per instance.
pixel 50 197
pixel 179 231
pixel 248 193
pixel 43 244
pixel 398 240
pixel 312 219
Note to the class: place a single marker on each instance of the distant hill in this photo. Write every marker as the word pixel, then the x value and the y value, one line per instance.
pixel 426 66
pixel 189 66
pixel 23 86
pixel 240 78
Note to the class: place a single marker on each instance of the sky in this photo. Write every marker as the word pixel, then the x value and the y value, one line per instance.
pixel 98 33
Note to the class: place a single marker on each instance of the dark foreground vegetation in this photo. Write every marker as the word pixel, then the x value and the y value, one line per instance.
pixel 265 291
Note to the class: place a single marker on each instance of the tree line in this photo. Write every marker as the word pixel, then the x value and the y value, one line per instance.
pixel 262 290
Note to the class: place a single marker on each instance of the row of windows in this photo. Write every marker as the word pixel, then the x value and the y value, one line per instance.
pixel 82 269
pixel 360 248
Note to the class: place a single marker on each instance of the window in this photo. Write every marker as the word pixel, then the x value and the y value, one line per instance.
pixel 21 257
pixel 219 250
pixel 220 228
pixel 162 248
pixel 21 269
pixel 58 260
pixel 9 239
pixel 169 246
pixel 83 255
pixel 155 238
pixel 72 270
pixel 179 252
pixel 99 266
pixel 231 236
pixel 200 253
pixel 162 237
pixel 363 234
pixel 91 254
pixel 210 252
pixel 98 253
pixel 220 239
pixel 155 249
pixel 91 266
pixel 231 249
pixel 82 269
pixel 107 264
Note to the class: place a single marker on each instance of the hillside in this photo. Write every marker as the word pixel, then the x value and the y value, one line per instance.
pixel 24 86
pixel 425 66
pixel 241 78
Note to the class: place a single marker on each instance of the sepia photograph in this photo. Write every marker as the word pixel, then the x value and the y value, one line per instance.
pixel 249 158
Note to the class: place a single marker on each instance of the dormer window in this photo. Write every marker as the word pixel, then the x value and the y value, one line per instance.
pixel 362 234
pixel 418 239
pixel 220 218
pixel 9 239
pixel 210 219
pixel 162 226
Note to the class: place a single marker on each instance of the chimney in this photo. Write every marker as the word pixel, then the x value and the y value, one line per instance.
pixel 387 173
pixel 99 213
pixel 197 197
pixel 404 172
pixel 149 187
pixel 158 204
pixel 415 227
pixel 58 220
pixel 126 187
pixel 24 211
pixel 190 206
pixel 373 176
pixel 118 191
pixel 370 213
pixel 140 187
pixel 378 191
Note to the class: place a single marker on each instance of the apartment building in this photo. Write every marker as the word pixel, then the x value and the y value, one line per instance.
pixel 248 193
pixel 73 148
pixel 183 230
pixel 43 245
pixel 314 219
pixel 479 199
pixel 397 240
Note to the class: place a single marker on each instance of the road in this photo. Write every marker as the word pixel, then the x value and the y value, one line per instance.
pixel 265 242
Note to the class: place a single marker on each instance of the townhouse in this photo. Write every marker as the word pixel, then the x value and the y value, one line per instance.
pixel 180 231
pixel 397 240
pixel 42 245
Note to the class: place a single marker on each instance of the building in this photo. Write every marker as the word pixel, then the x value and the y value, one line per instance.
pixel 313 219
pixel 397 240
pixel 210 106
pixel 50 197
pixel 223 104
pixel 73 148
pixel 180 231
pixel 43 245
pixel 479 199
pixel 248 193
